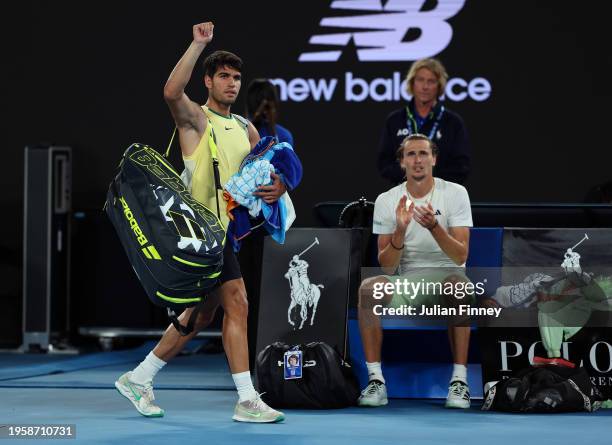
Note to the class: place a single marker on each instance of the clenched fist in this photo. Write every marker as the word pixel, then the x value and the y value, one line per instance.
pixel 203 33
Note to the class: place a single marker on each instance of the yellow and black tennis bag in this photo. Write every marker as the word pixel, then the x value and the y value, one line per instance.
pixel 174 243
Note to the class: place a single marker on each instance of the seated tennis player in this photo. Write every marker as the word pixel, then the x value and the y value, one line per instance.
pixel 423 237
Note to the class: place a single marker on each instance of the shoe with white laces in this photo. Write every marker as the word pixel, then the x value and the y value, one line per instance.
pixel 140 395
pixel 256 411
pixel 375 394
pixel 458 395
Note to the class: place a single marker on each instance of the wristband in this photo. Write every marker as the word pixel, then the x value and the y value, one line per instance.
pixel 434 226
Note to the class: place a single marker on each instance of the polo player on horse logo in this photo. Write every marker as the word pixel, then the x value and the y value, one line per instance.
pixel 303 292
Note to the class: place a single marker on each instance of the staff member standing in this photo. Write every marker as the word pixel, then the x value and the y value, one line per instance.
pixel 263 109
pixel 425 114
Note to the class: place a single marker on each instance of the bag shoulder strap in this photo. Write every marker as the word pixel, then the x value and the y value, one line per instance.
pixel 167 153
pixel 243 121
pixel 212 146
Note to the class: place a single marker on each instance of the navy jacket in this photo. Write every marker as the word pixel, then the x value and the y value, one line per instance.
pixel 453 163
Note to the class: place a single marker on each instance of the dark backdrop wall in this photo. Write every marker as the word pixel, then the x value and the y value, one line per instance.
pixel 90 75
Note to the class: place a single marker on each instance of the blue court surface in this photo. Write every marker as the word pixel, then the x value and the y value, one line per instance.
pixel 197 393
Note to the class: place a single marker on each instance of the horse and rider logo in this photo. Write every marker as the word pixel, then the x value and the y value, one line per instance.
pixel 304 294
pixel 571 259
pixel 526 293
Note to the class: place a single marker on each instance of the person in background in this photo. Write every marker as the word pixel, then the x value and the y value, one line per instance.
pixel 425 114
pixel 262 110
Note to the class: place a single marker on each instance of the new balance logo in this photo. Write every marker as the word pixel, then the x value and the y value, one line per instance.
pixel 384 30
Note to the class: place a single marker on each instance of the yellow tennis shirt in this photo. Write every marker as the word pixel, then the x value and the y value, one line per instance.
pixel 232 147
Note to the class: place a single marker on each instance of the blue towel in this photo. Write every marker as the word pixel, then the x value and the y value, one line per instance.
pixel 242 185
pixel 282 156
pixel 254 212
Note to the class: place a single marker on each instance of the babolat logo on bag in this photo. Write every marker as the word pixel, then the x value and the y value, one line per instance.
pixel 142 240
pixel 149 251
pixel 174 243
pixel 133 223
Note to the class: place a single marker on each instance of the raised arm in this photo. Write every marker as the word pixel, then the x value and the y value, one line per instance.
pixel 188 115
pixel 391 246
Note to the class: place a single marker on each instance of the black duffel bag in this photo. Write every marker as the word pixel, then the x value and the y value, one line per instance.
pixel 549 389
pixel 327 380
pixel 174 243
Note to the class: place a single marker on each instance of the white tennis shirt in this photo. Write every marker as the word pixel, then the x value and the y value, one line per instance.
pixel 451 205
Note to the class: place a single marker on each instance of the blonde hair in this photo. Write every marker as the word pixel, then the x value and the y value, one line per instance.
pixel 399 153
pixel 433 65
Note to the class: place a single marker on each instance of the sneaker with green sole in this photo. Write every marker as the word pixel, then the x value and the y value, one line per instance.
pixel 141 396
pixel 256 411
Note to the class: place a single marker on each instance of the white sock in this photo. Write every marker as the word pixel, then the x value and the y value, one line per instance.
pixel 244 385
pixel 145 372
pixel 375 371
pixel 459 373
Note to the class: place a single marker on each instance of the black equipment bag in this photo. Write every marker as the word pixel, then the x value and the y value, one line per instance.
pixel 327 380
pixel 548 389
pixel 174 243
